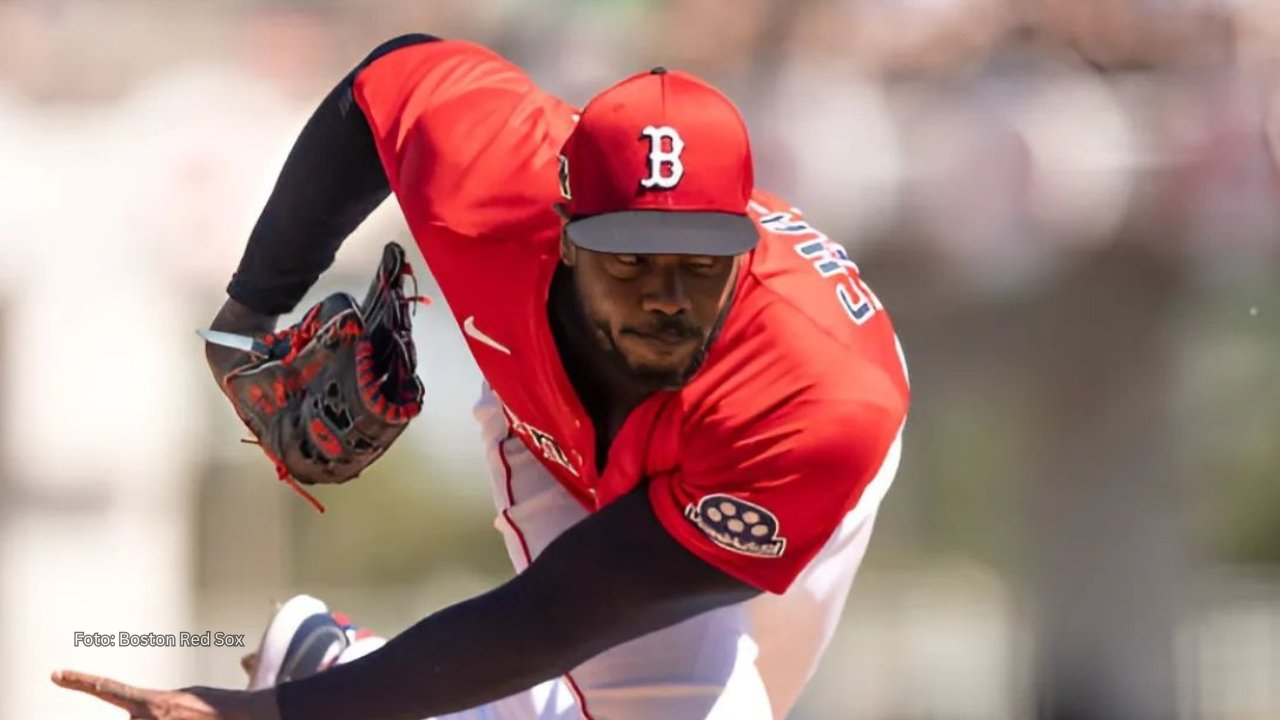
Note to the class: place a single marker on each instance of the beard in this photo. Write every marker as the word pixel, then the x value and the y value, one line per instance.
pixel 596 337
pixel 645 375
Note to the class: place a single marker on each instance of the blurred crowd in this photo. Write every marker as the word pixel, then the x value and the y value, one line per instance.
pixel 1070 207
pixel 990 134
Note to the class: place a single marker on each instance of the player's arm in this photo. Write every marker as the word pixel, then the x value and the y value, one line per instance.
pixel 613 577
pixel 330 183
pixel 463 137
pixel 450 126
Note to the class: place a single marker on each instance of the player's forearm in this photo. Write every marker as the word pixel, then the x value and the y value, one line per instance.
pixel 332 180
pixel 330 183
pixel 464 656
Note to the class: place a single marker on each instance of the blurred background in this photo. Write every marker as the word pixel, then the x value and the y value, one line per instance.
pixel 1070 208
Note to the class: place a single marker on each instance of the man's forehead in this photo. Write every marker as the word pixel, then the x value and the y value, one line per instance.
pixel 663 257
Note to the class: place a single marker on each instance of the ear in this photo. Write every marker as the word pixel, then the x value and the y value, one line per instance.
pixel 568 251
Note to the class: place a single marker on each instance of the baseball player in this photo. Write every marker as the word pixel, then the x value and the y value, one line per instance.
pixel 693 403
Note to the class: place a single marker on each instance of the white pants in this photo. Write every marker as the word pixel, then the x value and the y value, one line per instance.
pixel 747 661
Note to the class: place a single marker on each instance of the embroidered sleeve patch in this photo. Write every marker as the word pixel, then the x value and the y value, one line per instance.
pixel 737 525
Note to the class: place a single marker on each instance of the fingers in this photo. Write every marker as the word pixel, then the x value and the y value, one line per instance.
pixel 126 697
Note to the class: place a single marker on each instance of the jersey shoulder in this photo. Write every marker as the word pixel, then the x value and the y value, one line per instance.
pixel 805 306
pixel 797 267
pixel 795 413
pixel 807 347
pixel 467 139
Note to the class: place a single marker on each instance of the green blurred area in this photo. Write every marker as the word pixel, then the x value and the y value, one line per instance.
pixel 1237 418
pixel 404 520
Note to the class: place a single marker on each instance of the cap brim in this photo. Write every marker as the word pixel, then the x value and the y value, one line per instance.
pixel 660 232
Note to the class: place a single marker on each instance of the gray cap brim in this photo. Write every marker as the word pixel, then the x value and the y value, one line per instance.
pixel 660 232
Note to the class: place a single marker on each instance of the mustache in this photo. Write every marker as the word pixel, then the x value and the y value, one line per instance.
pixel 666 326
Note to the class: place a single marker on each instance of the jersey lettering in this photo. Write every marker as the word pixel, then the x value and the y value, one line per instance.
pixel 542 441
pixel 830 260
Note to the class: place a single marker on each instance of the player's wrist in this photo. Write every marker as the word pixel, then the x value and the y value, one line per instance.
pixel 262 705
pixel 236 317
pixel 239 319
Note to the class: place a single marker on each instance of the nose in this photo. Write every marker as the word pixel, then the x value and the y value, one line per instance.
pixel 667 295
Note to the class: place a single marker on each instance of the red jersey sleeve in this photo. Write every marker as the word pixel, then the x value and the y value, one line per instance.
pixel 466 138
pixel 760 501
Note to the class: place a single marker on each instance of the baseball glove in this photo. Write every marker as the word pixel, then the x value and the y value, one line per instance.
pixel 327 396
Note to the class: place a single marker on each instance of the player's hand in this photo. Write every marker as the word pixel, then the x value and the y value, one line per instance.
pixel 235 317
pixel 195 703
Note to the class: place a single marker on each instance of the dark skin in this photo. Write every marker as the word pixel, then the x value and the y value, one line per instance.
pixel 637 324
pixel 641 324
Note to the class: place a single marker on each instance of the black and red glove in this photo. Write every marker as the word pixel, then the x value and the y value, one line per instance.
pixel 327 396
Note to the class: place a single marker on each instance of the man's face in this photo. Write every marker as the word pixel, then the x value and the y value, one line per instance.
pixel 652 313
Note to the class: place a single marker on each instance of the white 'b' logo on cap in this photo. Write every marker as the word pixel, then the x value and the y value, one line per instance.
pixel 665 167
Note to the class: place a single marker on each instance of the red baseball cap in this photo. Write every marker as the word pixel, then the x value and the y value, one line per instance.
pixel 659 163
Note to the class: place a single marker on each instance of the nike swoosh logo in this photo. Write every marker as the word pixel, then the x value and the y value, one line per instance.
pixel 469 327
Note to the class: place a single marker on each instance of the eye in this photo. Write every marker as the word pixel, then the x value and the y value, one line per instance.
pixel 703 265
pixel 624 266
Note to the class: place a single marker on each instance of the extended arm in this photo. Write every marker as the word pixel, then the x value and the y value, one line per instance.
pixel 615 576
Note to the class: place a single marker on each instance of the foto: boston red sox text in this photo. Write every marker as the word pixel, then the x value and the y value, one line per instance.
pixel 123 638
